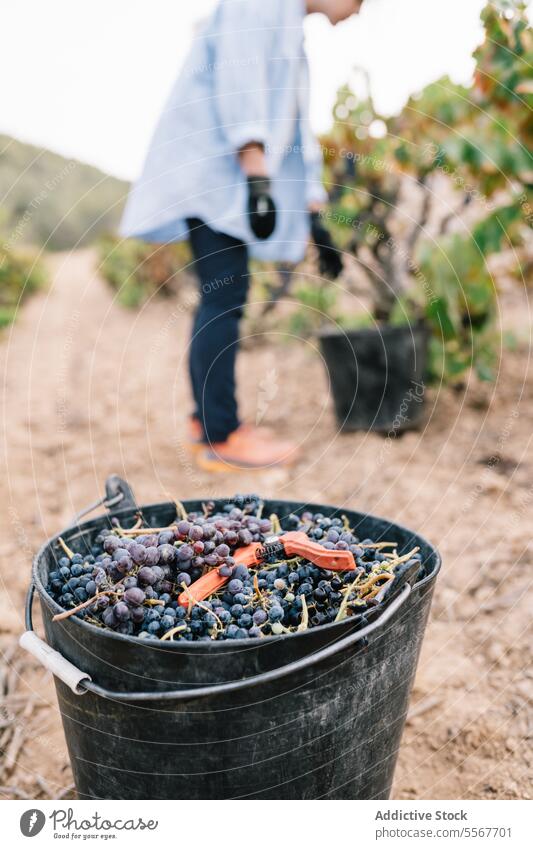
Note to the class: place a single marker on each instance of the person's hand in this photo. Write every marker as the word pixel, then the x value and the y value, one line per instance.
pixel 261 207
pixel 329 257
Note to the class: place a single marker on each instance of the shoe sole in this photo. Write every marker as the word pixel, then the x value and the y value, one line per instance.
pixel 212 464
pixel 194 447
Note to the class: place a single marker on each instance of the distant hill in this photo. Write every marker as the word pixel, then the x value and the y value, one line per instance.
pixel 46 198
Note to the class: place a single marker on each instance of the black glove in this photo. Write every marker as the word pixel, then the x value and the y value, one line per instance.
pixel 329 257
pixel 261 207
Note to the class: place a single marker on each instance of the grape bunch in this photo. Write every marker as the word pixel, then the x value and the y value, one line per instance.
pixel 131 579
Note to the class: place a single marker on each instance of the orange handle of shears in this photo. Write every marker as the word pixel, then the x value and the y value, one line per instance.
pixel 213 580
pixel 298 544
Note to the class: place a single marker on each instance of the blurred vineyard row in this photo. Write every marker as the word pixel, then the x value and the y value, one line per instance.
pixel 20 275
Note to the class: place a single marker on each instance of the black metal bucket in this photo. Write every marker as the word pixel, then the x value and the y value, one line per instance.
pixel 377 376
pixel 312 715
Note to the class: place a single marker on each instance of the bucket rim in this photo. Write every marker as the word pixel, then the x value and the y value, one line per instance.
pixel 197 645
pixel 382 330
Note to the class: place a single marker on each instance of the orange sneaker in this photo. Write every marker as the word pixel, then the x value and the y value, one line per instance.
pixel 195 433
pixel 247 448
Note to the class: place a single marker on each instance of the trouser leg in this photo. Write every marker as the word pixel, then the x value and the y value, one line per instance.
pixel 221 263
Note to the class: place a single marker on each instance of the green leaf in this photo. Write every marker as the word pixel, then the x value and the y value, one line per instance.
pixel 437 313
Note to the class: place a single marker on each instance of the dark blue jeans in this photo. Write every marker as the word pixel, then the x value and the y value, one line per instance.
pixel 221 264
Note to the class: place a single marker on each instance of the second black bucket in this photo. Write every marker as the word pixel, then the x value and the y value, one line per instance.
pixel 377 376
pixel 313 715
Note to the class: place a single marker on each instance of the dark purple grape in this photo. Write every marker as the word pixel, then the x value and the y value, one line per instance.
pixel 134 596
pixel 151 541
pixel 183 529
pixel 111 544
pixel 80 595
pixel 108 618
pixel 166 538
pixel 137 615
pixel 138 553
pixel 147 576
pixel 130 581
pixel 275 614
pixel 184 578
pixel 167 553
pixel 231 538
pixel 152 556
pixel 121 611
pixel 260 617
pixel 196 534
pixel 185 552
pixel 124 565
pixel 212 560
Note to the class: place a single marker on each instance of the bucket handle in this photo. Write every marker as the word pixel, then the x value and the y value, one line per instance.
pixel 80 682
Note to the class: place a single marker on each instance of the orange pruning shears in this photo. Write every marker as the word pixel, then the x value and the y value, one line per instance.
pixel 291 544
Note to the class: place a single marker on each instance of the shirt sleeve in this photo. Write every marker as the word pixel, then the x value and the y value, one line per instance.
pixel 242 51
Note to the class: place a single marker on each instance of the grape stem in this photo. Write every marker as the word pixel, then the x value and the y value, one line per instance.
pixel 134 532
pixel 134 527
pixel 404 558
pixel 304 624
pixel 170 634
pixel 193 602
pixel 66 613
pixel 344 604
pixel 180 509
pixel 68 551
pixel 368 585
pixel 276 527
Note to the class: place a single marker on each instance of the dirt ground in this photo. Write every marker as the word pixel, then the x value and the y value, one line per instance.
pixel 90 388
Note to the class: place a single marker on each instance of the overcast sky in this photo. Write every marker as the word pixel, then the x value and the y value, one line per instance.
pixel 89 78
